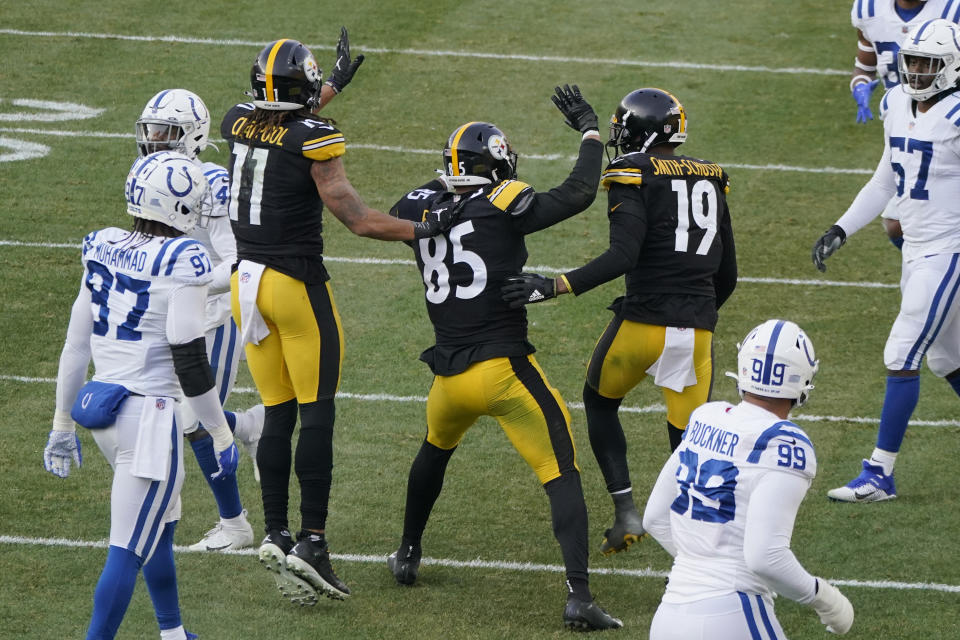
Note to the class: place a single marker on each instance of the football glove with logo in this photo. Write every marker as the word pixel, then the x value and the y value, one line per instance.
pixel 828 243
pixel 439 219
pixel 343 68
pixel 226 462
pixel 527 288
pixel 577 112
pixel 62 447
pixel 861 94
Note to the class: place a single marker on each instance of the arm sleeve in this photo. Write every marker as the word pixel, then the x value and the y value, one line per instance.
pixel 628 228
pixel 185 320
pixel 767 533
pixel 572 196
pixel 221 236
pixel 656 515
pixel 75 357
pixel 726 279
pixel 872 199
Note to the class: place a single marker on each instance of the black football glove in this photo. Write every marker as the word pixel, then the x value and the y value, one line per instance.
pixel 527 288
pixel 577 112
pixel 343 68
pixel 439 219
pixel 828 243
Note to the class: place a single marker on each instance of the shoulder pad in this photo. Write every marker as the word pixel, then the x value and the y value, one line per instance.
pixel 953 113
pixel 219 181
pixel 785 447
pixel 185 260
pixel 511 196
pixel 317 140
pixel 415 205
pixel 625 169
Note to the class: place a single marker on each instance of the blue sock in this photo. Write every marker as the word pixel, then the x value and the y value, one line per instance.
pixel 955 383
pixel 225 489
pixel 898 405
pixel 112 595
pixel 897 242
pixel 231 420
pixel 160 575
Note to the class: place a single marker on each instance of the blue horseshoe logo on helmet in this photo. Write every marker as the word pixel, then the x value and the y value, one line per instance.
pixel 173 189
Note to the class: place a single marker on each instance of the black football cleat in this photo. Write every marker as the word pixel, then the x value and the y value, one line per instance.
pixel 627 528
pixel 404 563
pixel 588 616
pixel 273 555
pixel 310 560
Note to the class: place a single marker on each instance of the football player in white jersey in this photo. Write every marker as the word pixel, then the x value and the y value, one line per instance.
pixel 178 120
pixel 139 316
pixel 881 26
pixel 919 174
pixel 725 503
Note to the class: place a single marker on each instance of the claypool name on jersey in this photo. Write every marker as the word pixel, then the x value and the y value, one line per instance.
pixel 711 438
pixel 685 167
pixel 268 135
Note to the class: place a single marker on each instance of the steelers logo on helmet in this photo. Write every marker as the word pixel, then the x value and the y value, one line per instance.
pixel 498 146
pixel 310 68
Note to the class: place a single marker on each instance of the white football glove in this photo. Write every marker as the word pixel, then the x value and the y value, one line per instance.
pixel 62 447
pixel 834 609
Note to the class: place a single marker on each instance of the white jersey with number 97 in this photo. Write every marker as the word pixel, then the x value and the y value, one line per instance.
pixel 130 277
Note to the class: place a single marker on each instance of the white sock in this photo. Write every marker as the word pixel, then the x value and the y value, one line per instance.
pixel 883 459
pixel 173 634
pixel 236 521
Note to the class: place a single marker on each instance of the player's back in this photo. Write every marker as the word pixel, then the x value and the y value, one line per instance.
pixel 882 25
pixel 726 451
pixel 463 271
pixel 274 204
pixel 130 277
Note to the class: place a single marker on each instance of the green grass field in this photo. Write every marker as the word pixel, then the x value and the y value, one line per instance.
pixel 765 88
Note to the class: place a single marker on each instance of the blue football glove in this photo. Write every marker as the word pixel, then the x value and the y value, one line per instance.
pixel 62 447
pixel 226 462
pixel 861 94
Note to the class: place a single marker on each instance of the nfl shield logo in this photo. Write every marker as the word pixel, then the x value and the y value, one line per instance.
pixel 161 404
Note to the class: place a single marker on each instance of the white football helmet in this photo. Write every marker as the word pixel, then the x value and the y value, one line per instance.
pixel 937 42
pixel 170 188
pixel 174 120
pixel 776 360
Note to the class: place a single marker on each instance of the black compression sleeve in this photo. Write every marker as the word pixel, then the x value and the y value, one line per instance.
pixel 726 279
pixel 627 232
pixel 572 196
pixel 193 369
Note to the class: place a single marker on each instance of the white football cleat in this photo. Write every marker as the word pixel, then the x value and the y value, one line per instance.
pixel 872 485
pixel 235 533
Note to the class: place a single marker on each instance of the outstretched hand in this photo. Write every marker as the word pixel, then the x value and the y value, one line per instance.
pixel 527 288
pixel 343 68
pixel 861 94
pixel 577 112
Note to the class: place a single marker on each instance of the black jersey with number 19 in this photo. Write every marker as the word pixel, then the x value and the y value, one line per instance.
pixel 275 210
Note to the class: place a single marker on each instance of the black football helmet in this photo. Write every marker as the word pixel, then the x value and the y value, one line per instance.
pixel 478 153
pixel 646 118
pixel 285 76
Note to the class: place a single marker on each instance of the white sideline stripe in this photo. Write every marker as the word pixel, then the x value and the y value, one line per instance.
pixel 666 64
pixel 398 149
pixel 652 408
pixel 538 268
pixel 480 564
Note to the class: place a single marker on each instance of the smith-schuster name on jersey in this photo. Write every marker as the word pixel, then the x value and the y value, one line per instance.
pixel 463 271
pixel 678 205
pixel 274 205
pixel 130 277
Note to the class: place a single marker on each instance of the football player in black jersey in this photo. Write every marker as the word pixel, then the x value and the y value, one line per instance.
pixel 670 235
pixel 284 167
pixel 482 361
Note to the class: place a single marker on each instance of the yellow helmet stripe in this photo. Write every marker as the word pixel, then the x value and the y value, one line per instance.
pixel 453 148
pixel 269 70
pixel 683 113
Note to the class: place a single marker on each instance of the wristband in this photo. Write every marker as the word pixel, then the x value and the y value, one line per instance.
pixel 566 283
pixel 62 421
pixel 589 132
pixel 859 79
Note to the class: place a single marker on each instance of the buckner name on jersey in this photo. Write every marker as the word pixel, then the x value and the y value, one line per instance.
pixel 711 438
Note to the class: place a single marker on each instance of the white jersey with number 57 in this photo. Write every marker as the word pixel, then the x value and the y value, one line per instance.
pixel 130 277
pixel 727 452
pixel 880 23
